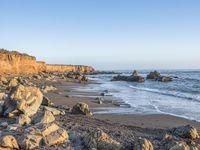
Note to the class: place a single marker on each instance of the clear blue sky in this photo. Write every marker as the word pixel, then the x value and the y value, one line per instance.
pixel 107 34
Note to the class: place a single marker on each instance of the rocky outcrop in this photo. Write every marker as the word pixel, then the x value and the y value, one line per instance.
pixel 17 63
pixel 143 144
pixel 158 77
pixel 133 78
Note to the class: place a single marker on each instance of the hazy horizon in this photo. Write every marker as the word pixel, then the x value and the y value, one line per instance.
pixel 108 35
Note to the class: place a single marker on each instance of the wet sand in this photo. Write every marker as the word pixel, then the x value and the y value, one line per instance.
pixel 67 96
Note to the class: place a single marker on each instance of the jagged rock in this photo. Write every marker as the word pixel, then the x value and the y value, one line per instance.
pixel 100 140
pixel 43 117
pixel 57 137
pixel 186 132
pixel 13 82
pixel 23 120
pixel 81 108
pixel 9 141
pixel 43 135
pixel 2 96
pixel 133 78
pixel 54 111
pixel 46 101
pixel 22 100
pixel 3 80
pixel 143 144
pixel 153 75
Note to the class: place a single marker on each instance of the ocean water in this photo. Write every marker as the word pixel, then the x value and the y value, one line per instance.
pixel 180 97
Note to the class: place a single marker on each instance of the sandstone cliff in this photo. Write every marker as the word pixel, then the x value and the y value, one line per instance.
pixel 17 63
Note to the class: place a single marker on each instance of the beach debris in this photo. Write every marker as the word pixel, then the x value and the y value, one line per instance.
pixel 22 100
pixel 187 131
pixel 98 139
pixel 9 142
pixel 81 108
pixel 133 78
pixel 143 144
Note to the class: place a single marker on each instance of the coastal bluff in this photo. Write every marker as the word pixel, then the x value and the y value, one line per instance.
pixel 12 62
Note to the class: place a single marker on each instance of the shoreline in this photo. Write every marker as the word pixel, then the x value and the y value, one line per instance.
pixel 162 121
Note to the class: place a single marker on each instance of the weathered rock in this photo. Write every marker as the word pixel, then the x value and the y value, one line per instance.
pixel 186 132
pixel 46 101
pixel 100 140
pixel 22 100
pixel 43 117
pixel 57 137
pixel 23 120
pixel 46 89
pixel 135 73
pixel 13 82
pixel 143 144
pixel 81 108
pixel 153 75
pixel 2 96
pixel 133 78
pixel 43 135
pixel 54 111
pixel 9 141
pixel 3 80
pixel 180 146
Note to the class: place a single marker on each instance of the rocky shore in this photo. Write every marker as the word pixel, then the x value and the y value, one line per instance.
pixel 43 112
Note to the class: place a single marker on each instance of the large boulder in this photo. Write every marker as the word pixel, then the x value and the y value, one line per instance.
pixel 186 132
pixel 8 141
pixel 81 108
pixel 143 144
pixel 100 140
pixel 22 100
pixel 133 78
pixel 165 79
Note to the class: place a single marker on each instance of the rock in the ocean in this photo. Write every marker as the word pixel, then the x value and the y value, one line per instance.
pixel 165 79
pixel 43 117
pixel 22 100
pixel 9 141
pixel 186 132
pixel 81 108
pixel 101 141
pixel 23 119
pixel 143 144
pixel 156 76
pixel 153 75
pixel 133 78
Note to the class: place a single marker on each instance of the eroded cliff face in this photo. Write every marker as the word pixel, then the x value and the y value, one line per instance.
pixel 17 64
pixel 11 63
